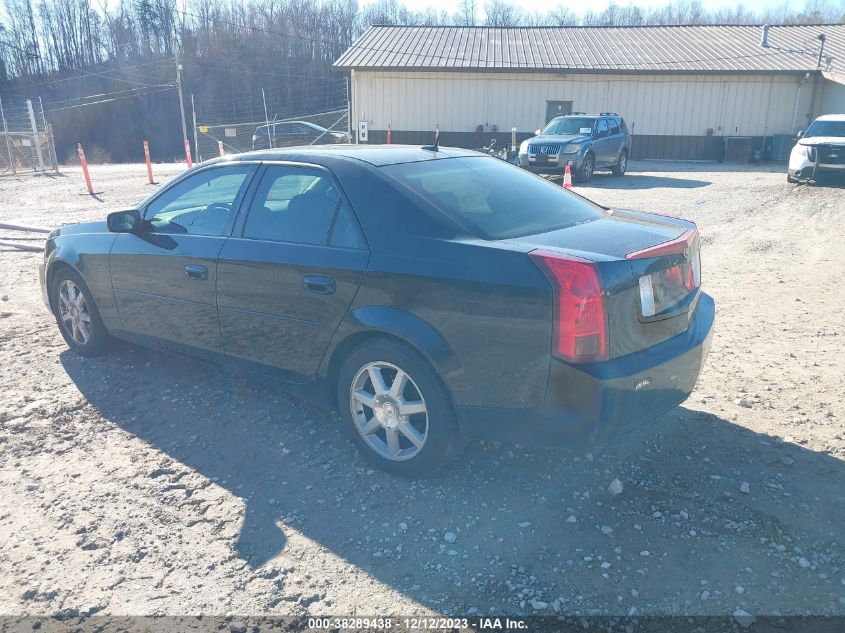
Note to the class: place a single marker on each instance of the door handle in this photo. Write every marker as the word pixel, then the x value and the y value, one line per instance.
pixel 196 271
pixel 320 285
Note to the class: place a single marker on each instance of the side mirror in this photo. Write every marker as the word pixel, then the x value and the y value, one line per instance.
pixel 124 221
pixel 537 132
pixel 800 133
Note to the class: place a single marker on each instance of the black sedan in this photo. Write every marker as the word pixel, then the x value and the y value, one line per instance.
pixel 430 293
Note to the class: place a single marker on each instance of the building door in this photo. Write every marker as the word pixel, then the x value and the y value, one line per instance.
pixel 557 108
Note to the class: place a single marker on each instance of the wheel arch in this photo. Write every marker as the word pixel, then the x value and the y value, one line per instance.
pixel 384 322
pixel 50 274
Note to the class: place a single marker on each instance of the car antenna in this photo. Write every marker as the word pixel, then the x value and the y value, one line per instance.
pixel 434 148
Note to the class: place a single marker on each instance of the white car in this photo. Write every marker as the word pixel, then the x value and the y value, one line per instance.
pixel 821 149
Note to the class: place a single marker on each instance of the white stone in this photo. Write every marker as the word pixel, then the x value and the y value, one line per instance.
pixel 743 618
pixel 615 487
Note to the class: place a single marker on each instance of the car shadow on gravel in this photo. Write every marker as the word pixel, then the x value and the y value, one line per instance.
pixel 632 180
pixel 707 505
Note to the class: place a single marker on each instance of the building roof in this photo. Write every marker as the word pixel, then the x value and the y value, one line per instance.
pixel 716 48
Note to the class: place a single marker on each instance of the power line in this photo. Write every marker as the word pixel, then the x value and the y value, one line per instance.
pixel 90 103
pixel 79 70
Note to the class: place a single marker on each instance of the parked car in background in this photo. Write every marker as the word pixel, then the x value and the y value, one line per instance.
pixel 820 150
pixel 429 293
pixel 292 133
pixel 584 142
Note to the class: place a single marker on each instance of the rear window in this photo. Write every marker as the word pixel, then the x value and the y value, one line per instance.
pixel 497 200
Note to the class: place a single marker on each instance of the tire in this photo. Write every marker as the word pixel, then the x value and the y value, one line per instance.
pixel 371 418
pixel 588 167
pixel 621 165
pixel 83 329
pixel 790 179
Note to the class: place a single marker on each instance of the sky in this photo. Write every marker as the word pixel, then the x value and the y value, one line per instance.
pixel 597 6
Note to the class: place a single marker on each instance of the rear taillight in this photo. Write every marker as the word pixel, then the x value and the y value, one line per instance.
pixel 580 320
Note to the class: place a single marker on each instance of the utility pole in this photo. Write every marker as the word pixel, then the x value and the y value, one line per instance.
pixel 179 88
pixel 35 135
pixel 267 119
pixel 8 143
pixel 196 138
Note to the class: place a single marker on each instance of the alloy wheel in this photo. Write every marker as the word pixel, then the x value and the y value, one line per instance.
pixel 389 411
pixel 588 168
pixel 74 313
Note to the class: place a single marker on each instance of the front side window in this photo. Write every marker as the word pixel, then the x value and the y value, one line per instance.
pixel 299 205
pixel 495 199
pixel 570 125
pixel 200 204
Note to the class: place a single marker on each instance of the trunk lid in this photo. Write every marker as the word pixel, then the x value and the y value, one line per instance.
pixel 649 268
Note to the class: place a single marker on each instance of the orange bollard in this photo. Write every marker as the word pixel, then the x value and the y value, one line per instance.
pixel 388 134
pixel 188 153
pixel 220 147
pixel 84 163
pixel 149 164
pixel 567 178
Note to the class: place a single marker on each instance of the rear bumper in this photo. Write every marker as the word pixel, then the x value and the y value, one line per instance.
pixel 591 403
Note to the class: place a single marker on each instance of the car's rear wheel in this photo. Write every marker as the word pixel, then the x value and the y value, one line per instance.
pixel 621 165
pixel 790 179
pixel 76 314
pixel 396 409
pixel 587 168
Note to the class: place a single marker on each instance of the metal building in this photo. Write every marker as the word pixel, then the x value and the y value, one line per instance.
pixel 682 89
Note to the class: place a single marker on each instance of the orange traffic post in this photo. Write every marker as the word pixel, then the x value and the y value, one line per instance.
pixel 388 134
pixel 84 164
pixel 188 153
pixel 149 164
pixel 567 177
pixel 220 147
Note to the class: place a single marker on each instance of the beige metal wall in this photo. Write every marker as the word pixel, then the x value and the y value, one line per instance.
pixel 833 98
pixel 677 105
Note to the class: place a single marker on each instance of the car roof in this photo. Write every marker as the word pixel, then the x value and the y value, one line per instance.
pixel 377 155
pixel 831 117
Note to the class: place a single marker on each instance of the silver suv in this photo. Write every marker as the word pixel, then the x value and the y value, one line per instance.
pixel 585 142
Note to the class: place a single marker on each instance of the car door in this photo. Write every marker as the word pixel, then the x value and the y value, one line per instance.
pixel 290 271
pixel 615 140
pixel 601 146
pixel 164 276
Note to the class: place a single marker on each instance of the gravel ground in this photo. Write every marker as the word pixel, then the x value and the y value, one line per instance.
pixel 142 483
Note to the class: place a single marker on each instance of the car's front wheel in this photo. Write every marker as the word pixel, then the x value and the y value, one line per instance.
pixel 587 168
pixel 76 314
pixel 396 409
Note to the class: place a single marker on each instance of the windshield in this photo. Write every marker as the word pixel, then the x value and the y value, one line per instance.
pixel 570 125
pixel 496 199
pixel 826 128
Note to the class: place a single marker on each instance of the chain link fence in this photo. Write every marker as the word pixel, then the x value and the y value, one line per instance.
pixel 26 139
pixel 322 128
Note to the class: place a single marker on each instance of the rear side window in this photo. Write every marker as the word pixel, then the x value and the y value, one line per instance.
pixel 293 205
pixel 495 199
pixel 614 127
pixel 622 126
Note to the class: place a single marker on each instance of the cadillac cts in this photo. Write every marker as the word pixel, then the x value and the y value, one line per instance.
pixel 432 293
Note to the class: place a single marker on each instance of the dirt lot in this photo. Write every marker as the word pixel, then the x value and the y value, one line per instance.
pixel 141 483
